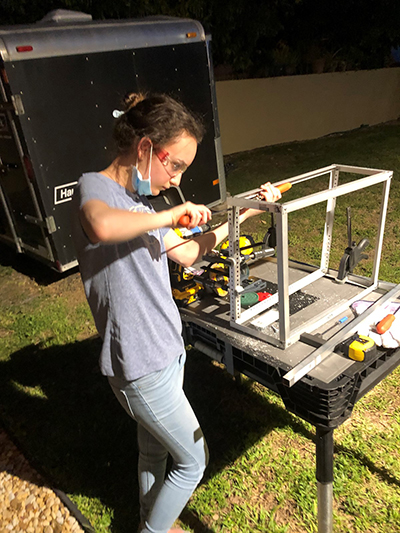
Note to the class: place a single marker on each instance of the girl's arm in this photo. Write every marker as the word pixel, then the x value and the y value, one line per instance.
pixel 186 252
pixel 103 223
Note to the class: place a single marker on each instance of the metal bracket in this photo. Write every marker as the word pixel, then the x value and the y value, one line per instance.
pixel 18 105
pixel 48 223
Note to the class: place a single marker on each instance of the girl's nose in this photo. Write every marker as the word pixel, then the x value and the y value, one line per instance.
pixel 176 180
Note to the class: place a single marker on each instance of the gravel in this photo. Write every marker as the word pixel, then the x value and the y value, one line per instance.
pixel 26 503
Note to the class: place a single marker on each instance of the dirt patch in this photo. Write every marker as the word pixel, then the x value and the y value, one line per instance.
pixel 23 279
pixel 71 287
pixel 16 289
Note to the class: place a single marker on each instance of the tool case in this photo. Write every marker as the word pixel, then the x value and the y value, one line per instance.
pixel 61 79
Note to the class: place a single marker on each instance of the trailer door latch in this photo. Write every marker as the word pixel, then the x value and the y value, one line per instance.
pixel 48 223
pixel 18 105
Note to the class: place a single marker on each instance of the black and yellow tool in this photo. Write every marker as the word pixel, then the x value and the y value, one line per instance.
pixel 358 348
pixel 185 290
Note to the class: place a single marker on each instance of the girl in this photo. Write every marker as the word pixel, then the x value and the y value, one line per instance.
pixel 122 248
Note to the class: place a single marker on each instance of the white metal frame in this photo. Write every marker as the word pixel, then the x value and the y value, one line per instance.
pixel 249 199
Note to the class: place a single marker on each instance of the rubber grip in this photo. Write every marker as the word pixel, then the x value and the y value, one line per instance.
pixel 184 221
pixel 283 187
pixel 385 323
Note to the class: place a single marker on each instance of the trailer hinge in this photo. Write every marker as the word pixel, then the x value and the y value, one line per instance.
pixel 18 105
pixel 47 223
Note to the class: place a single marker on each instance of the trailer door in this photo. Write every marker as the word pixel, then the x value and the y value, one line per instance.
pixel 20 216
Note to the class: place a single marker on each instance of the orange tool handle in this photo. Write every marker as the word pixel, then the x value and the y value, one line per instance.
pixel 184 221
pixel 283 187
pixel 385 323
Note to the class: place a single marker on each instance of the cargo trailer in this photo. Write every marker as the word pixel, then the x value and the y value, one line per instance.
pixel 61 79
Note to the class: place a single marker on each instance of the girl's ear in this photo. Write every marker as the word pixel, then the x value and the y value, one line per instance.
pixel 143 147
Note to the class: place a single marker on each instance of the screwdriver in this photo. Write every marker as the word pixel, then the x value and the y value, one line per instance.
pixel 184 220
pixel 284 187
pixel 340 321
pixel 385 323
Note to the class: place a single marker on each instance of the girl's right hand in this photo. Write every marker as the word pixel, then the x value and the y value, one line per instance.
pixel 197 214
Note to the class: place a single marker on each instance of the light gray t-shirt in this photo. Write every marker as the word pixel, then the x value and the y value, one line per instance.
pixel 128 288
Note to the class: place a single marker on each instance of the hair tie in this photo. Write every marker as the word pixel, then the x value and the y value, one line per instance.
pixel 117 113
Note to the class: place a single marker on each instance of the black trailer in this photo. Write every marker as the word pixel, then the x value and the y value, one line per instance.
pixel 61 79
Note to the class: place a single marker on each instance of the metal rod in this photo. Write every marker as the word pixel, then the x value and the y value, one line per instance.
pixel 316 357
pixel 328 230
pixel 341 307
pixel 295 179
pixel 346 188
pixel 381 229
pixel 358 170
pixel 234 270
pixel 324 476
pixel 10 220
pixel 272 300
pixel 283 275
pixel 325 507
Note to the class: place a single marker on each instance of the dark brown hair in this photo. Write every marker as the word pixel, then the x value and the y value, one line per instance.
pixel 158 117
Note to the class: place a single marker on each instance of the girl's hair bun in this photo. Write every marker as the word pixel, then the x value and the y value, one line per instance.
pixel 132 99
pixel 158 117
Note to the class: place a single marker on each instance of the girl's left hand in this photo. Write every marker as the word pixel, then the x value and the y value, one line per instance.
pixel 269 194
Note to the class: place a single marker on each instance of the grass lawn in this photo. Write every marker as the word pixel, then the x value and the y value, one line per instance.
pixel 261 474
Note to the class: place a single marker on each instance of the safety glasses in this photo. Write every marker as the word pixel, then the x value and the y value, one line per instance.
pixel 173 168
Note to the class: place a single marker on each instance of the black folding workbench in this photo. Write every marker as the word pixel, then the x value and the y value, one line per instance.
pixel 292 342
pixel 325 397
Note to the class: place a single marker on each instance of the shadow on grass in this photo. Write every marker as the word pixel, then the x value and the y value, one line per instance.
pixel 65 416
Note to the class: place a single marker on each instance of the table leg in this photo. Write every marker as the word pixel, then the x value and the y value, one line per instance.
pixel 324 475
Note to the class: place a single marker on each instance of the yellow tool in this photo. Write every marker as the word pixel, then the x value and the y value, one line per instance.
pixel 185 289
pixel 358 348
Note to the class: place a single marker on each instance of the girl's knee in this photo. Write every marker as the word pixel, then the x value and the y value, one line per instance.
pixel 201 455
pixel 206 455
pixel 201 462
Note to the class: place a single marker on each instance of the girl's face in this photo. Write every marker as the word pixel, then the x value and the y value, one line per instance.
pixel 168 163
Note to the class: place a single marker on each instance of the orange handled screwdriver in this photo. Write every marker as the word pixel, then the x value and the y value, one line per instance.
pixel 283 187
pixel 385 323
pixel 185 219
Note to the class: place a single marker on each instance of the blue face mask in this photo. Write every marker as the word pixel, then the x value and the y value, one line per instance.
pixel 142 186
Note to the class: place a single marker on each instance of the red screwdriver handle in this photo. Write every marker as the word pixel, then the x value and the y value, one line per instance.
pixel 385 323
pixel 184 221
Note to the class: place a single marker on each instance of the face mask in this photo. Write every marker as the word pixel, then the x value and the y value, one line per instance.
pixel 142 186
